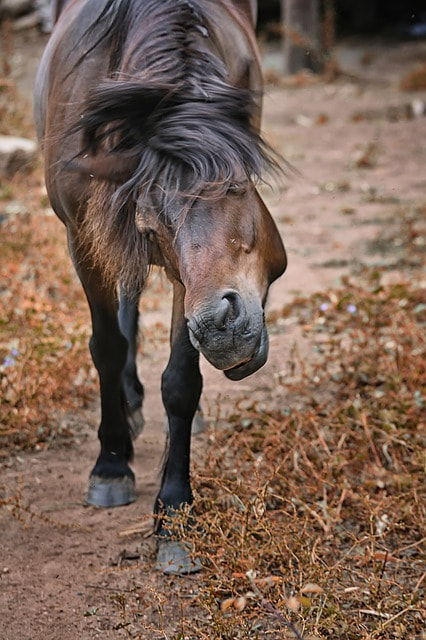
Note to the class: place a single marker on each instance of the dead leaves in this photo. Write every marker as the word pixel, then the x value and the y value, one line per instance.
pixel 237 603
pixel 311 588
pixel 258 595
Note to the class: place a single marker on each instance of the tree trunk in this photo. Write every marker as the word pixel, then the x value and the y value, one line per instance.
pixel 300 20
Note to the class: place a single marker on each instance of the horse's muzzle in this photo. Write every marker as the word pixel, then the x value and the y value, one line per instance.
pixel 230 332
pixel 257 360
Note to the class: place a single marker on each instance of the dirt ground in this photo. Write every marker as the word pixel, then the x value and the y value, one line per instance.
pixel 360 154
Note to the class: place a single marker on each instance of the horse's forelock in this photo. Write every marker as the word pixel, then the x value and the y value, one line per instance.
pixel 186 128
pixel 178 106
pixel 208 138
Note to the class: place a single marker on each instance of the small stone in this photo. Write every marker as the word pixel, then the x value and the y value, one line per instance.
pixel 16 154
pixel 13 8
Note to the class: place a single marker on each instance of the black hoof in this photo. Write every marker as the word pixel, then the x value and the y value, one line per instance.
pixel 110 492
pixel 174 557
pixel 137 423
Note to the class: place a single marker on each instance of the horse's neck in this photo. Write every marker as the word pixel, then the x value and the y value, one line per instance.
pixel 57 7
pixel 247 7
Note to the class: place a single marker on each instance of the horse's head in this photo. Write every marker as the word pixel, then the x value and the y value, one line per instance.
pixel 189 172
pixel 230 251
pixel 226 251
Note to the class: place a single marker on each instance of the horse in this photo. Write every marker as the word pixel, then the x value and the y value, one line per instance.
pixel 148 116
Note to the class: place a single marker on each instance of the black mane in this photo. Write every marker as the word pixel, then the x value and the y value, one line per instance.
pixel 169 113
pixel 168 104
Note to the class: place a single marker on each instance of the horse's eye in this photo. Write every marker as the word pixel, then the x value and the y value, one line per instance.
pixel 237 188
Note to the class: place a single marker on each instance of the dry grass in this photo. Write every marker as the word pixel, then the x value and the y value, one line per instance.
pixel 310 522
pixel 324 506
pixel 414 80
pixel 15 111
pixel 44 359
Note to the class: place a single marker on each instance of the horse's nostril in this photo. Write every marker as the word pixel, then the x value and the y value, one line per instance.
pixel 222 313
pixel 229 309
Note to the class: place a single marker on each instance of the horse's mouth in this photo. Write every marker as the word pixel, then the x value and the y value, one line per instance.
pixel 252 364
pixel 231 334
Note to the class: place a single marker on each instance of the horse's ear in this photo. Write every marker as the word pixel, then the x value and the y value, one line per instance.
pixel 113 167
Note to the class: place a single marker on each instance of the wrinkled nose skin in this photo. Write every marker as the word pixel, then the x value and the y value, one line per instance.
pixel 230 332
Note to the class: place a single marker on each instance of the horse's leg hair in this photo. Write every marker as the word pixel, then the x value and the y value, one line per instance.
pixel 128 316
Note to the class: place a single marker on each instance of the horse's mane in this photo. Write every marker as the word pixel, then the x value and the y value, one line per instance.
pixel 168 103
pixel 168 106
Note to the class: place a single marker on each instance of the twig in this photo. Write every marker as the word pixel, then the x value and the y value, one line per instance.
pixel 371 612
pixel 104 587
pixel 320 437
pixel 146 529
pixel 419 582
pixel 413 544
pixel 400 613
pixel 313 513
pixel 370 440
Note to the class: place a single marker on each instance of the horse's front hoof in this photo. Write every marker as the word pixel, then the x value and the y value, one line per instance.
pixel 110 492
pixel 174 557
pixel 136 422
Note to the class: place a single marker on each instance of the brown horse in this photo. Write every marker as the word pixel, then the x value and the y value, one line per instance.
pixel 148 113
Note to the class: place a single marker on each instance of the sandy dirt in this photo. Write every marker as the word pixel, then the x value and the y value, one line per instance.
pixel 359 165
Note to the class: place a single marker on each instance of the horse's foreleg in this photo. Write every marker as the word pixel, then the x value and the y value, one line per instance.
pixel 181 390
pixel 128 316
pixel 112 481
